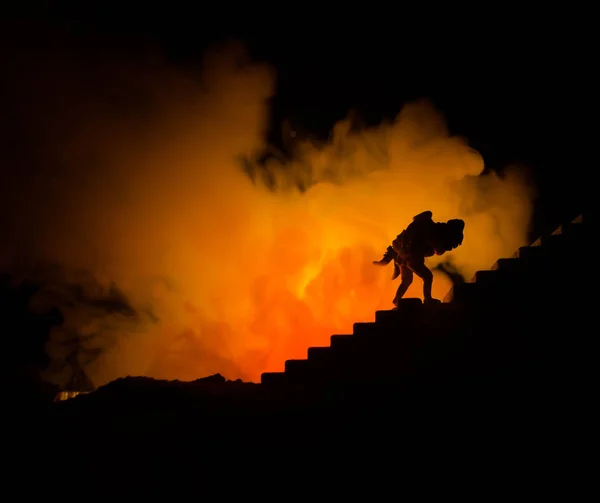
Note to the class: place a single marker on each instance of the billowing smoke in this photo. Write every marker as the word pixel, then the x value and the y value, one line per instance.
pixel 135 198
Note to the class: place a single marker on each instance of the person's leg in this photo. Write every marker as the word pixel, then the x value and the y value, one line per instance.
pixel 421 270
pixel 407 279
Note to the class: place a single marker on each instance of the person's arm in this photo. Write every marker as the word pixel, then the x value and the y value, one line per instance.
pixel 389 255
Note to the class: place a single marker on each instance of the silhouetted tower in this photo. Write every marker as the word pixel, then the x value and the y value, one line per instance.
pixel 79 382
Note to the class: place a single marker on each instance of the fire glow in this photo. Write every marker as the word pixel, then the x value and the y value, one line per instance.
pixel 225 274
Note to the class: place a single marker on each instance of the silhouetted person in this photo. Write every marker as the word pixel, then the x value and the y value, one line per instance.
pixel 422 238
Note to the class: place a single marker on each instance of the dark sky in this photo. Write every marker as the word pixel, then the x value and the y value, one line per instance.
pixel 509 81
pixel 512 82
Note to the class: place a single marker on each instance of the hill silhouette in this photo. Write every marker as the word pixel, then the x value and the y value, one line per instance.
pixel 502 364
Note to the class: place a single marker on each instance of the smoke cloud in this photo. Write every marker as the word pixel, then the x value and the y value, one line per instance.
pixel 131 191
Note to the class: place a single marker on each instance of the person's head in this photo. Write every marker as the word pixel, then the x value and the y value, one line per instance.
pixel 456 229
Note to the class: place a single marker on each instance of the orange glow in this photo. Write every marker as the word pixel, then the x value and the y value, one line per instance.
pixel 240 278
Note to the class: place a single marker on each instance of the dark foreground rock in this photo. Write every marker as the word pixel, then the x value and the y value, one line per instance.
pixel 498 379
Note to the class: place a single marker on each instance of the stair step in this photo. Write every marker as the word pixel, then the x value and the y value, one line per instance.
pixel 326 363
pixel 574 229
pixel 388 316
pixel 509 264
pixel 551 252
pixel 409 304
pixel 294 366
pixel 444 337
pixel 575 226
pixel 438 311
pixel 505 274
pixel 488 277
pixel 319 353
pixel 409 308
pixel 297 372
pixel 366 329
pixel 529 252
pixel 273 378
pixel 463 292
pixel 441 316
pixel 568 243
pixel 342 341
pixel 525 267
pixel 394 319
pixel 506 283
pixel 498 283
pixel 566 240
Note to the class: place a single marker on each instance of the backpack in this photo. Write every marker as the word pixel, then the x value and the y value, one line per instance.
pixel 416 237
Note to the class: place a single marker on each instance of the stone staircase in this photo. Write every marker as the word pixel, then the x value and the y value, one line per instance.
pixel 505 322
